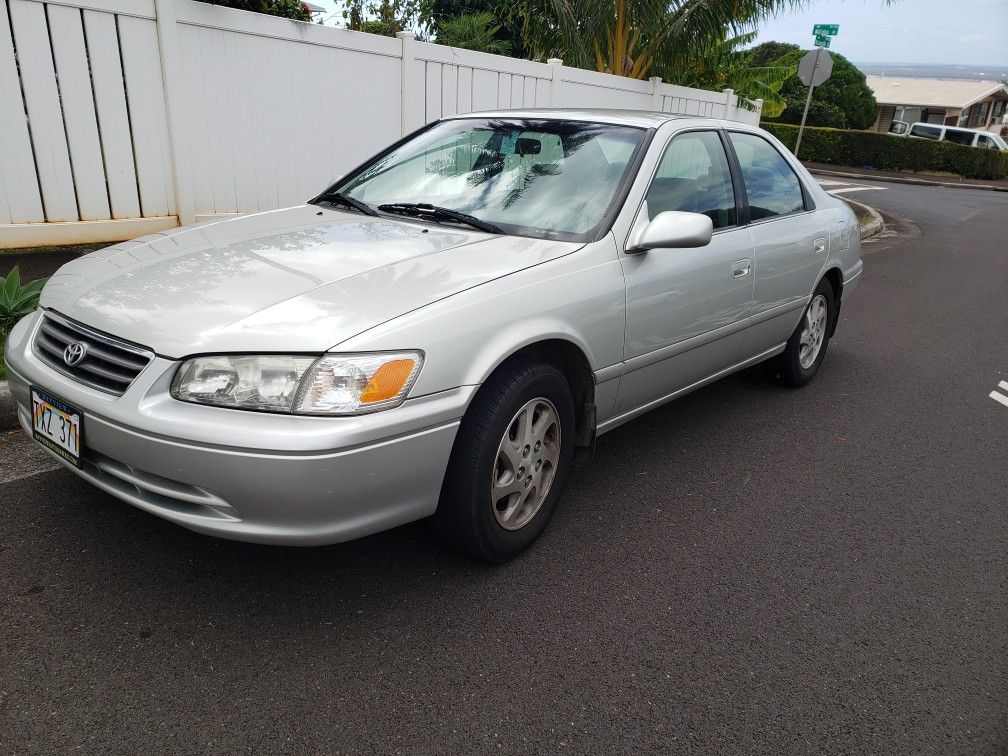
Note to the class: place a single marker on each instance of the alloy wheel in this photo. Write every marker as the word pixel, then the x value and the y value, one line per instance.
pixel 813 333
pixel 526 463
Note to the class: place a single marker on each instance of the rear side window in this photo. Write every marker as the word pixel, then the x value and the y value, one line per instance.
pixel 771 184
pixel 928 132
pixel 959 137
pixel 693 176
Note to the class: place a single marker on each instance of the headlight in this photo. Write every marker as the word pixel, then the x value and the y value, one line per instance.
pixel 333 384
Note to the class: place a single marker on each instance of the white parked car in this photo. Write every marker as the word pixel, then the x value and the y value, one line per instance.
pixel 440 333
pixel 956 134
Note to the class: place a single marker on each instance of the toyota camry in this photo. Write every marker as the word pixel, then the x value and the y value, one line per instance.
pixel 442 333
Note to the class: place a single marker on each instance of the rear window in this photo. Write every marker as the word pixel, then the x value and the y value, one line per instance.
pixel 928 132
pixel 771 184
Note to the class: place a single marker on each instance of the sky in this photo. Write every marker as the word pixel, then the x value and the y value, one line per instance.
pixel 973 32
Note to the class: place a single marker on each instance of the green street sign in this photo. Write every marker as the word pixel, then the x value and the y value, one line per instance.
pixel 826 29
pixel 822 40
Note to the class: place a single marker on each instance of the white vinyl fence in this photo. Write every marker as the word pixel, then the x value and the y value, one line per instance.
pixel 123 117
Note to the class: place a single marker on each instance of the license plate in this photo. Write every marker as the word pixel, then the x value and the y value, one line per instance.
pixel 56 425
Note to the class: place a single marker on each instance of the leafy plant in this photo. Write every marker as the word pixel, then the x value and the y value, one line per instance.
pixel 473 31
pixel 17 301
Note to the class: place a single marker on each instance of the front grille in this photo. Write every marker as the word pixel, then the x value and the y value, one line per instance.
pixel 109 364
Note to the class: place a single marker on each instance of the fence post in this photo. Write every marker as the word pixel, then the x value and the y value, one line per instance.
pixel 758 110
pixel 730 103
pixel 557 65
pixel 167 33
pixel 414 91
pixel 655 93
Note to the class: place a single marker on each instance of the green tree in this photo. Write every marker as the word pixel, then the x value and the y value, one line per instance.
pixel 385 17
pixel 473 31
pixel 843 101
pixel 768 53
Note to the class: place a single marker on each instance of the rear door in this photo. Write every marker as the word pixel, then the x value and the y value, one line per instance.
pixel 686 308
pixel 790 241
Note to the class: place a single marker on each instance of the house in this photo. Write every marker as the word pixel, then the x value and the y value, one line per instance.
pixel 953 102
pixel 316 11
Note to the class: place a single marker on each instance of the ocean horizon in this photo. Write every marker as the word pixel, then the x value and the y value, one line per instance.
pixel 935 71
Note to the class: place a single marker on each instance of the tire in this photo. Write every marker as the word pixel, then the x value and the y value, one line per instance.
pixel 494 524
pixel 813 329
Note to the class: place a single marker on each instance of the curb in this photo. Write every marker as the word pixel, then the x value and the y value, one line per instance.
pixel 907 180
pixel 876 223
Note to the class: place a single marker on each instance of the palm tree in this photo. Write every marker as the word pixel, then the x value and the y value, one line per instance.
pixel 636 37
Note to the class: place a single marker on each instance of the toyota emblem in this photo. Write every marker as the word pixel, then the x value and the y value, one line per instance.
pixel 74 353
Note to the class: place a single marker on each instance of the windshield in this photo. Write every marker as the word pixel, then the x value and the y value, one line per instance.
pixel 547 178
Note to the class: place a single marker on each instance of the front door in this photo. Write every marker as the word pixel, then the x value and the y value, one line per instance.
pixel 686 308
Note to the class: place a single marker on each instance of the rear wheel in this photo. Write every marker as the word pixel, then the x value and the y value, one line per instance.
pixel 806 349
pixel 510 462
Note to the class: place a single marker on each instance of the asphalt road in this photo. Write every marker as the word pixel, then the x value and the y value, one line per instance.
pixel 749 569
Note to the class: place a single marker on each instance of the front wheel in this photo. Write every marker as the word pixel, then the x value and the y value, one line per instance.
pixel 509 464
pixel 806 349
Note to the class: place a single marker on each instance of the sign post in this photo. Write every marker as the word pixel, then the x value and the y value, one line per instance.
pixel 815 68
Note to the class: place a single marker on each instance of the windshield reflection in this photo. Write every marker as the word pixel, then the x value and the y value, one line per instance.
pixel 550 178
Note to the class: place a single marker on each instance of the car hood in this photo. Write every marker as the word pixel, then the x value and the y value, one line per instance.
pixel 293 280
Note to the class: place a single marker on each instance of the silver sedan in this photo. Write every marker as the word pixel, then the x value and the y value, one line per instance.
pixel 441 333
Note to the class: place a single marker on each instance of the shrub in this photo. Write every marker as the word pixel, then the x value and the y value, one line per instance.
pixel 293 9
pixel 870 149
pixel 17 301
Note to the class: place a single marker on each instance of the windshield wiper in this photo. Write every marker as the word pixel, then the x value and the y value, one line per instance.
pixel 338 198
pixel 436 214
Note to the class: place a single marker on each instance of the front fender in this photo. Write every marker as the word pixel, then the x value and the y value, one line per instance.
pixel 579 298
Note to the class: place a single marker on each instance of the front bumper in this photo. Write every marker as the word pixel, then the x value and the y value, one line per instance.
pixel 247 475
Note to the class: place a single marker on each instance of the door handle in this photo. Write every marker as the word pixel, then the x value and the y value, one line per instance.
pixel 741 268
pixel 819 245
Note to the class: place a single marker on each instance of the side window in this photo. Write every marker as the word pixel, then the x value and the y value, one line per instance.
pixel 927 132
pixel 693 176
pixel 985 142
pixel 771 184
pixel 959 136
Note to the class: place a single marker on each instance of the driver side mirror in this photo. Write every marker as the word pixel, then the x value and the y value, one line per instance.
pixel 673 229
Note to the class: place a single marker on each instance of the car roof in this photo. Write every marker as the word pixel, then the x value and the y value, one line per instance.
pixel 639 118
